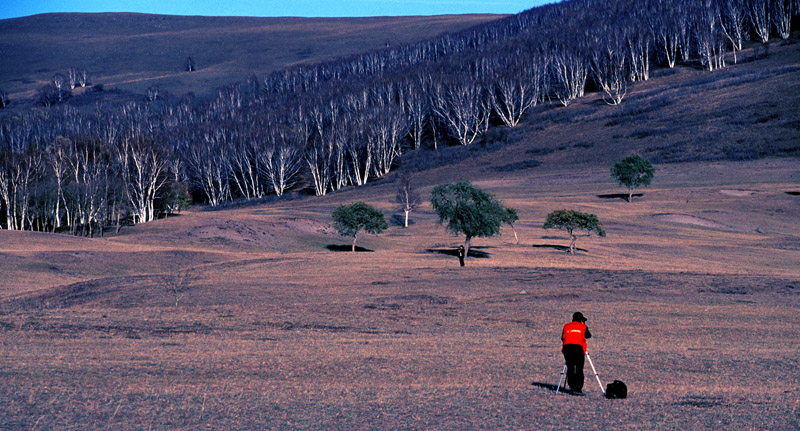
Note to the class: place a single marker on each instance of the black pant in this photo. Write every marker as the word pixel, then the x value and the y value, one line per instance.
pixel 573 355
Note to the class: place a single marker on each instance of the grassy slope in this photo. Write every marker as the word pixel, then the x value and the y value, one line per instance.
pixel 692 297
pixel 134 51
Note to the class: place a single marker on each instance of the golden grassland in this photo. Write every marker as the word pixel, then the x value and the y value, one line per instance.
pixel 281 333
pixel 692 298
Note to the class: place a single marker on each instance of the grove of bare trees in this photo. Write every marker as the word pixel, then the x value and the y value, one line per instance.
pixel 346 122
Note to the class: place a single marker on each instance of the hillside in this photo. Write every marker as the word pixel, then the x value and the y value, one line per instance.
pixel 245 316
pixel 557 157
pixel 132 52
pixel 275 330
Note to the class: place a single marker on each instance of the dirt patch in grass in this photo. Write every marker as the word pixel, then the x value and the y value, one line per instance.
pixel 700 401
pixel 738 193
pixel 695 221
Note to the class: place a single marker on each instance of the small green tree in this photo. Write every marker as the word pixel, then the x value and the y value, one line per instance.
pixel 172 198
pixel 468 210
pixel 351 219
pixel 633 172
pixel 572 221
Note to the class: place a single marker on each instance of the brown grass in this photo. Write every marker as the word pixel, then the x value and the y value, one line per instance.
pixel 277 332
pixel 275 336
pixel 135 51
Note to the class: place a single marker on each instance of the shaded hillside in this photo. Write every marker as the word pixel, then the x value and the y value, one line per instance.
pixel 135 51
pixel 322 127
pixel 275 330
pixel 743 112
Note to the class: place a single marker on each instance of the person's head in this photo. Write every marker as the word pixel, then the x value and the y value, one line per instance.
pixel 578 317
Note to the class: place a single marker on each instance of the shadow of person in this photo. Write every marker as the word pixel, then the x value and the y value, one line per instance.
pixel 553 388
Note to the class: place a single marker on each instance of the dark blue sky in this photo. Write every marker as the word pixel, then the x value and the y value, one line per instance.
pixel 305 8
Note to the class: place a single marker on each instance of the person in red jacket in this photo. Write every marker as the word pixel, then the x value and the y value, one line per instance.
pixel 573 337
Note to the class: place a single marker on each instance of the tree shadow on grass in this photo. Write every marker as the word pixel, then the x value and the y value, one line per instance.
pixel 337 247
pixel 623 196
pixel 399 220
pixel 558 247
pixel 454 252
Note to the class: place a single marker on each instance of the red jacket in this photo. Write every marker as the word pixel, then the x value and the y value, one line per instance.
pixel 575 333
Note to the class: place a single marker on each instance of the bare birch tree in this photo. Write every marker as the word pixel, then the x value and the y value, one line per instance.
pixel 710 39
pixel 782 12
pixel 415 106
pixel 361 147
pixel 86 194
pixel 83 77
pixel 244 168
pixel 280 161
pixel 57 155
pixel 178 283
pixel 570 70
pixel 210 170
pixel 639 45
pixel 462 106
pixel 760 18
pixel 59 82
pixel 317 156
pixel 388 126
pixel 142 167
pixel 733 18
pixel 336 139
pixel 610 69
pixel 407 197
pixel 72 78
pixel 666 28
pixel 518 87
pixel 18 173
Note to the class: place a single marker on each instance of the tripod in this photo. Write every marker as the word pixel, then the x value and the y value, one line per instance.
pixel 596 376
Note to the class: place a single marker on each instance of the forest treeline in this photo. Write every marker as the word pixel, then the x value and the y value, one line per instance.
pixel 346 122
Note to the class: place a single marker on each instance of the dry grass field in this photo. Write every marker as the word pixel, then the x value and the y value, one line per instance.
pixel 693 297
pixel 131 52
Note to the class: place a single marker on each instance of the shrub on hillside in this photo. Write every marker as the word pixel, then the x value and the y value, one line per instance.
pixel 49 95
pixel 572 221
pixel 710 148
pixel 425 159
pixel 516 166
pixel 633 172
pixel 349 220
pixel 469 210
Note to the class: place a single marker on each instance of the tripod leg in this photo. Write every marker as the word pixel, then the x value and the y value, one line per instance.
pixel 561 379
pixel 595 374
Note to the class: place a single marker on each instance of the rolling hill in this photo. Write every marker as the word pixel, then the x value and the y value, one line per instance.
pixel 692 297
pixel 132 52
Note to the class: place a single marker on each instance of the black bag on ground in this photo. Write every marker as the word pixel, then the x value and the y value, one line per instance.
pixel 616 389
